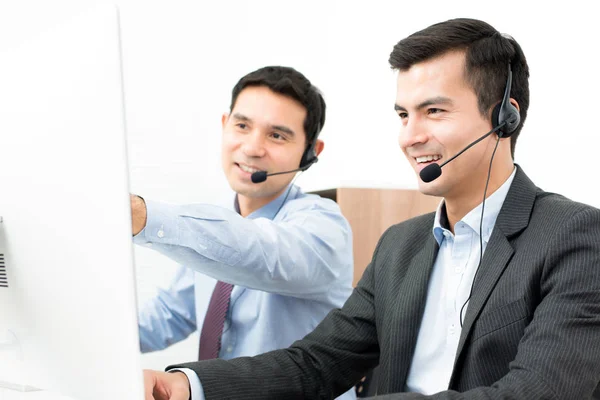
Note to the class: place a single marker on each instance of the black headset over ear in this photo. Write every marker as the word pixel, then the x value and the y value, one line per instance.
pixel 506 112
pixel 310 154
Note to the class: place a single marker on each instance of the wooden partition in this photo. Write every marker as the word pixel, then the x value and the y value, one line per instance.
pixel 371 211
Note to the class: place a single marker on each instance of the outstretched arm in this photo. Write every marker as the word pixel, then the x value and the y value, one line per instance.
pixel 306 253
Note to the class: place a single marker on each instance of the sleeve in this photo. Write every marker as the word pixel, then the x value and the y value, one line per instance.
pixel 170 316
pixel 323 365
pixel 307 253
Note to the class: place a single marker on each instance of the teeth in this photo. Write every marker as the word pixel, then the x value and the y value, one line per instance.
pixel 248 169
pixel 428 158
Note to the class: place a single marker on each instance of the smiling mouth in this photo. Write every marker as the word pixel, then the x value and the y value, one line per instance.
pixel 428 159
pixel 247 169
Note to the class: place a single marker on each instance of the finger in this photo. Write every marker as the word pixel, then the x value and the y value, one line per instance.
pixel 148 385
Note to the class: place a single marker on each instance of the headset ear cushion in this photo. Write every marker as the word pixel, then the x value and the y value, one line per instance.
pixel 309 157
pixel 304 159
pixel 513 119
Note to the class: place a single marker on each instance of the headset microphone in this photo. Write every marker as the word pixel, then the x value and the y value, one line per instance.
pixel 261 176
pixel 433 171
pixel 258 177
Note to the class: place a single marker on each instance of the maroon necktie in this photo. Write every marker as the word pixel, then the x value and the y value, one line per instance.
pixel 214 321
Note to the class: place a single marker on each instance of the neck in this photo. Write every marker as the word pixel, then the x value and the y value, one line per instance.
pixel 250 204
pixel 461 203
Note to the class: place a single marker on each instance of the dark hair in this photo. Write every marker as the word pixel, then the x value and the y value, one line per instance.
pixel 288 82
pixel 487 56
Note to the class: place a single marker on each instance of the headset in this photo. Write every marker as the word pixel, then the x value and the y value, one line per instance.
pixel 505 113
pixel 505 121
pixel 310 154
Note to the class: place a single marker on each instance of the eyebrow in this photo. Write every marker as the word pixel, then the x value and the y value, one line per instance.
pixel 241 117
pixel 427 103
pixel 282 128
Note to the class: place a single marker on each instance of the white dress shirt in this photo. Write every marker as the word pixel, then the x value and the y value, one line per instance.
pixel 449 288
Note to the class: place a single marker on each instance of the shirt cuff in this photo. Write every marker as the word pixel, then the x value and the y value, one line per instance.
pixel 196 391
pixel 161 224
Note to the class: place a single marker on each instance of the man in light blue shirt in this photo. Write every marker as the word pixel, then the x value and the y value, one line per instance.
pixel 287 254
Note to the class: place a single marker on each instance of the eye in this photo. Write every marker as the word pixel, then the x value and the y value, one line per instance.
pixel 434 110
pixel 403 115
pixel 241 125
pixel 277 136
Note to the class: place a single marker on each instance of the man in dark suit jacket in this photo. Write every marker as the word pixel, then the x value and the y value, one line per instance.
pixel 500 301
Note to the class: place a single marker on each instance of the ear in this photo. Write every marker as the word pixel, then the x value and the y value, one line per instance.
pixel 319 146
pixel 224 119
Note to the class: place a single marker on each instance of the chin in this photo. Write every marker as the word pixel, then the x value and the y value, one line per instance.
pixel 248 189
pixel 238 186
pixel 431 189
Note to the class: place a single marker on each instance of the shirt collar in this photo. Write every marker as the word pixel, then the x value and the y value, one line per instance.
pixel 271 209
pixel 493 204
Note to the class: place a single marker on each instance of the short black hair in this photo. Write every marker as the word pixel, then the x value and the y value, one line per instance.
pixel 487 56
pixel 291 83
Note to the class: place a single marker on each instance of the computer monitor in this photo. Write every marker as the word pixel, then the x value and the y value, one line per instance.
pixel 68 319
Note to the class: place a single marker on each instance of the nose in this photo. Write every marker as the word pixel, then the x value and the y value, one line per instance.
pixel 254 144
pixel 412 133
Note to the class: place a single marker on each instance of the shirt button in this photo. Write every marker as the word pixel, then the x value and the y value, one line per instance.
pixel 148 244
pixel 458 270
pixel 160 233
pixel 229 349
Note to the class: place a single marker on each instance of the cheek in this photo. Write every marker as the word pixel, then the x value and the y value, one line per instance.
pixel 286 156
pixel 448 139
pixel 404 151
pixel 228 156
pixel 225 152
pixel 229 145
pixel 283 161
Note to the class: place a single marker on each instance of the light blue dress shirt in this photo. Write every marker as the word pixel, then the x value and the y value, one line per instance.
pixel 291 263
pixel 449 287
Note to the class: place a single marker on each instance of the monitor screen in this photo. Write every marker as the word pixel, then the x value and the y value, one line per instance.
pixel 68 319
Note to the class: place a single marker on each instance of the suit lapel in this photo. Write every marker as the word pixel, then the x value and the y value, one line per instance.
pixel 513 218
pixel 409 307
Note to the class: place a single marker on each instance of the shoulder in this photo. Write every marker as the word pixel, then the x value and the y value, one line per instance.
pixel 555 224
pixel 307 202
pixel 556 209
pixel 409 232
pixel 314 213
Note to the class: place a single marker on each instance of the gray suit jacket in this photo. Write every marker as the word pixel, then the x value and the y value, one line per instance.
pixel 531 330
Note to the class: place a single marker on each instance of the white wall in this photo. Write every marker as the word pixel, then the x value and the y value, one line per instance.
pixel 181 59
